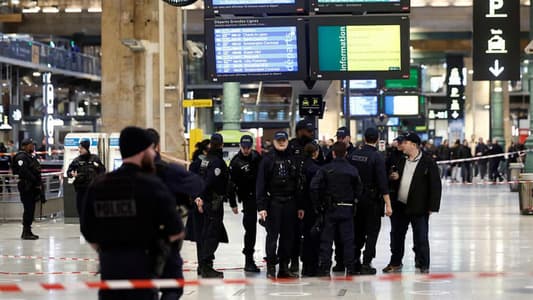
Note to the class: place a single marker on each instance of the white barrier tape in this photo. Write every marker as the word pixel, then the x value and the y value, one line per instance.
pixel 520 153
pixel 47 273
pixel 32 287
pixel 48 258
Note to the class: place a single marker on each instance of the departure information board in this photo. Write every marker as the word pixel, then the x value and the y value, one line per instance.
pixel 247 48
pixel 360 6
pixel 254 7
pixel 250 2
pixel 256 50
pixel 363 105
pixel 359 47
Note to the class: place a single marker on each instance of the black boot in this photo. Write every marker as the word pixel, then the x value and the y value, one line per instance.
pixel 208 272
pixel 250 266
pixel 271 271
pixel 284 271
pixel 27 234
pixel 367 269
pixel 295 266
pixel 324 270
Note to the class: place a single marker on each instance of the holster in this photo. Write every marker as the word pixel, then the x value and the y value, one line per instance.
pixel 161 252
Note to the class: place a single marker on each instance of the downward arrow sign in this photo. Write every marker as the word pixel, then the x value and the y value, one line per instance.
pixel 496 70
pixel 455 115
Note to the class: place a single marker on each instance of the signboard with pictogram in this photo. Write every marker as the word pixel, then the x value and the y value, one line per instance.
pixel 496 40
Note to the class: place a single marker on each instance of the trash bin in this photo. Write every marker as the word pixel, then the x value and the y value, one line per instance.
pixel 514 172
pixel 525 193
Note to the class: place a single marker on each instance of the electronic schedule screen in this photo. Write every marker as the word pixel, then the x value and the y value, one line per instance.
pixel 253 7
pixel 255 49
pixel 361 106
pixel 351 6
pixel 359 47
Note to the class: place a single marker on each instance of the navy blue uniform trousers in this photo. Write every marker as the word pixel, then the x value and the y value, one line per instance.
pixel 341 219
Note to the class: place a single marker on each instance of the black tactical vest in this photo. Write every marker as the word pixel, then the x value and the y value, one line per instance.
pixel 283 180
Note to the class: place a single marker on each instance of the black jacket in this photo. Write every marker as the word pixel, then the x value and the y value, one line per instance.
pixel 243 175
pixel 127 209
pixel 346 187
pixel 426 188
pixel 88 167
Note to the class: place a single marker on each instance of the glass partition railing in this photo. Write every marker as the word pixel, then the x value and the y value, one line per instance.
pixel 49 57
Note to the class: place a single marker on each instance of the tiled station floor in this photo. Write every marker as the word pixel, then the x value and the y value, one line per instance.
pixel 479 229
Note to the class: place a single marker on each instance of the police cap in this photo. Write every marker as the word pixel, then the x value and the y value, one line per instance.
pixel 305 124
pixel 343 132
pixel 247 141
pixel 26 142
pixel 281 135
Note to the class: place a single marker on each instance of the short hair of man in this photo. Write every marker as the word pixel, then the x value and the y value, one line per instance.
pixel 154 135
pixel 339 148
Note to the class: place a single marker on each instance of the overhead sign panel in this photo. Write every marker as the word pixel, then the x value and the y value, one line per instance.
pixel 254 49
pixel 253 7
pixel 359 47
pixel 496 40
pixel 360 6
pixel 311 105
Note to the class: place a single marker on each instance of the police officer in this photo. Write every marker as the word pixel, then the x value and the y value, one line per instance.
pixel 310 250
pixel 334 190
pixel 126 212
pixel 343 135
pixel 278 190
pixel 84 169
pixel 305 132
pixel 214 171
pixel 183 185
pixel 372 169
pixel 30 186
pixel 243 173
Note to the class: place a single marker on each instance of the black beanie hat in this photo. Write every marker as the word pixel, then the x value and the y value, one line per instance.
pixel 85 143
pixel 133 140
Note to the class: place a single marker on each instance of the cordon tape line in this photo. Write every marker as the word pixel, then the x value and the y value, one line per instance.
pixel 520 153
pixel 36 287
pixel 2 273
pixel 49 258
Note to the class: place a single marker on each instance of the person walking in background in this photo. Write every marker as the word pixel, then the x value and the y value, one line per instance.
pixel 481 150
pixel 443 154
pixel 494 162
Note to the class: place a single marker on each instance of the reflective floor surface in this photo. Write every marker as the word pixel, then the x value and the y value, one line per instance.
pixel 479 229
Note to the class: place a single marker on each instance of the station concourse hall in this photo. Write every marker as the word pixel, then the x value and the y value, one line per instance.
pixel 266 149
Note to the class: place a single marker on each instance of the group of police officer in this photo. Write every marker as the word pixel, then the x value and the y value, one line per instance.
pixel 306 202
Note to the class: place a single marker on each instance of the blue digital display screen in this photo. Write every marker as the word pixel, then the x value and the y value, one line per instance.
pixel 256 50
pixel 363 84
pixel 250 2
pixel 363 105
pixel 401 105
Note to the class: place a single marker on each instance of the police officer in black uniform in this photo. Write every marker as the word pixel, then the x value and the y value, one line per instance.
pixel 214 171
pixel 30 185
pixel 343 135
pixel 334 190
pixel 126 213
pixel 84 169
pixel 279 191
pixel 372 169
pixel 243 173
pixel 305 133
pixel 184 186
pixel 310 250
